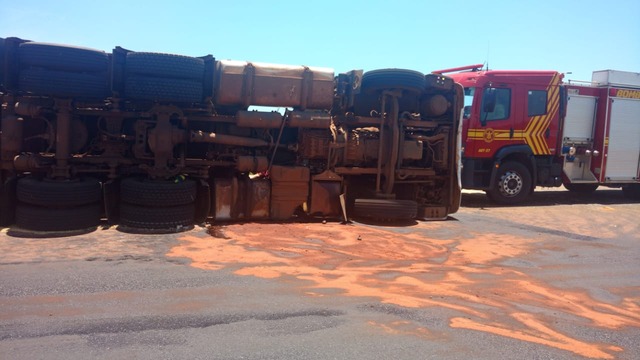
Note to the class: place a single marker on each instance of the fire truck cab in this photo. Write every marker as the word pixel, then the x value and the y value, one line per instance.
pixel 524 129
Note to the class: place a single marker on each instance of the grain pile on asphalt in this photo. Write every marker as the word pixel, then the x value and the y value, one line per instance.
pixel 466 275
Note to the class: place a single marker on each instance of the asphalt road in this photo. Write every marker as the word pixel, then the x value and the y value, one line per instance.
pixel 558 278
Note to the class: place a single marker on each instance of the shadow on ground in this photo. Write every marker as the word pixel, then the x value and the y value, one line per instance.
pixel 550 197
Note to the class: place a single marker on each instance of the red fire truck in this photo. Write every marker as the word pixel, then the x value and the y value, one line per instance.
pixel 524 129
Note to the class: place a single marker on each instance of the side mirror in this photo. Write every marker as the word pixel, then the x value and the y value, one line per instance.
pixel 489 100
pixel 467 112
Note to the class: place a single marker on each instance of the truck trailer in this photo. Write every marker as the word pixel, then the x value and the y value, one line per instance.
pixel 523 129
pixel 162 141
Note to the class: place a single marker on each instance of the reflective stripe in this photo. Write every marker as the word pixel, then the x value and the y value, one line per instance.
pixel 533 134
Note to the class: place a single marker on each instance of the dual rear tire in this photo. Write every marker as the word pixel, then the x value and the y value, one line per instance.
pixel 58 205
pixel 164 77
pixel 157 204
pixel 63 71
pixel 72 205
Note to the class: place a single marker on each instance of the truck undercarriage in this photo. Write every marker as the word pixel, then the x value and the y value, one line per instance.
pixel 163 141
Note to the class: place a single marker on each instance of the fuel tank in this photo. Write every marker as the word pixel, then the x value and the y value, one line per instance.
pixel 241 83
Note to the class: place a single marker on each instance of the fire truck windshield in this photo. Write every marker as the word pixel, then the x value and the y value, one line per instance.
pixel 468 101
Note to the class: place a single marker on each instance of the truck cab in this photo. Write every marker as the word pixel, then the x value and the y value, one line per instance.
pixel 510 131
pixel 523 129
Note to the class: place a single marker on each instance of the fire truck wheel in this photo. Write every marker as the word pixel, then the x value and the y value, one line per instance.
pixel 513 183
pixel 163 89
pixel 146 192
pixel 65 58
pixel 58 194
pixel 581 188
pixel 63 83
pixel 156 218
pixel 385 210
pixel 37 218
pixel 165 65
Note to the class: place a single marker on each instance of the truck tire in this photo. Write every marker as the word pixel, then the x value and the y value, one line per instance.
pixel 163 89
pixel 58 194
pixel 39 218
pixel 162 193
pixel 382 79
pixel 385 210
pixel 156 218
pixel 412 82
pixel 581 188
pixel 63 84
pixel 165 65
pixel 64 58
pixel 513 183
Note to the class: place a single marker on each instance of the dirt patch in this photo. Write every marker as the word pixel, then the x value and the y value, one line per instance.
pixel 100 245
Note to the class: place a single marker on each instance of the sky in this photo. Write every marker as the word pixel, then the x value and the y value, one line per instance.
pixel 575 37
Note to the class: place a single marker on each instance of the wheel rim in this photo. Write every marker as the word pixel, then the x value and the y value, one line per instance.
pixel 511 184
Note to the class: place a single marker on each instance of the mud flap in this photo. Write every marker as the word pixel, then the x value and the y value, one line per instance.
pixel 203 202
pixel 112 201
pixel 343 206
pixel 427 213
pixel 8 201
pixel 325 194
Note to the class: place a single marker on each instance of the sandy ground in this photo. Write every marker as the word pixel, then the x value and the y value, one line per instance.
pixel 531 273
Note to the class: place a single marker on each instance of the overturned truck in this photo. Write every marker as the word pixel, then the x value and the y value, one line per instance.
pixel 163 141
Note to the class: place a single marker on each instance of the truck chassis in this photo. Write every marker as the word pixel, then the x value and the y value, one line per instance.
pixel 162 141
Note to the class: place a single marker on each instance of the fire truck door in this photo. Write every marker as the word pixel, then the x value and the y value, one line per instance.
pixel 538 125
pixel 623 155
pixel 493 123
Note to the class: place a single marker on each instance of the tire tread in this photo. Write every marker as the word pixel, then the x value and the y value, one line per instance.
pixel 63 83
pixel 143 217
pixel 163 193
pixel 165 65
pixel 62 57
pixel 163 89
pixel 54 194
pixel 38 218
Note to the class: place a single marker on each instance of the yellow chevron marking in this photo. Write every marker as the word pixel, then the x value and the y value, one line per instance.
pixel 539 124
pixel 533 134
